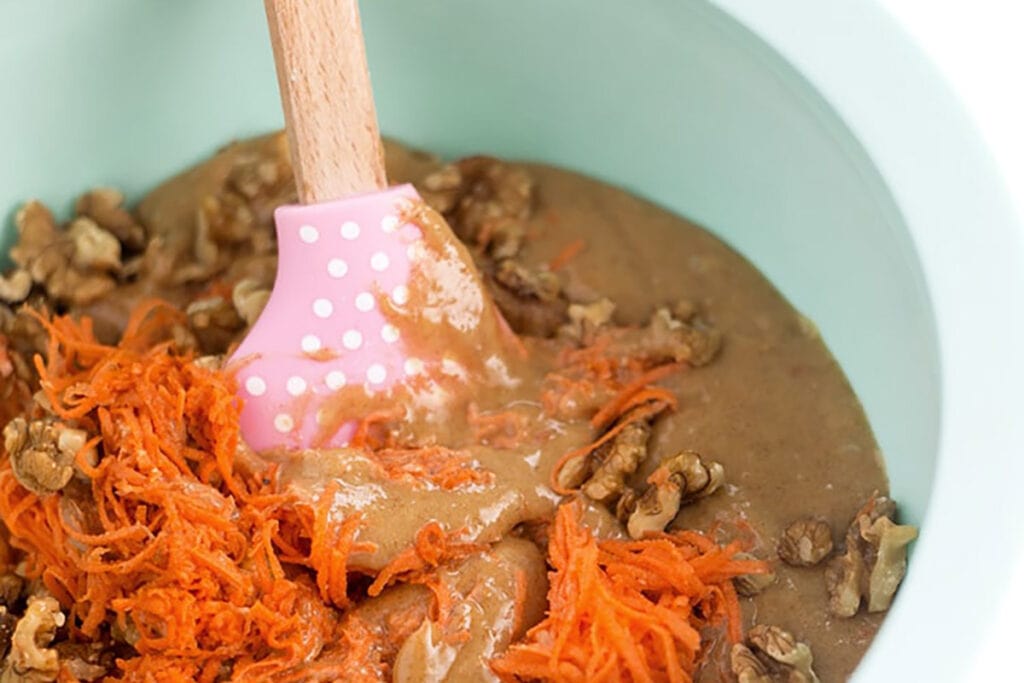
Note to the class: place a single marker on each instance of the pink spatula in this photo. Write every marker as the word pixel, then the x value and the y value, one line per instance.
pixel 345 254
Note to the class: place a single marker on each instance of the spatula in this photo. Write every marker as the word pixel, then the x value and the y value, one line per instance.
pixel 345 252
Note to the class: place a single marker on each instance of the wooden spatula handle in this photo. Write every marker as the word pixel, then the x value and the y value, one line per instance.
pixel 328 101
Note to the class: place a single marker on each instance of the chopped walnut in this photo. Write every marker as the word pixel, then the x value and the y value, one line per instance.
pixel 806 542
pixel 586 319
pixel 576 471
pixel 442 188
pixel 874 561
pixel 531 300
pixel 30 660
pixel 37 234
pixel 64 262
pixel 749 585
pixel 685 310
pixel 487 203
pixel 666 338
pixel 628 449
pixel 105 206
pixel 678 480
pixel 249 296
pixel 15 287
pixel 42 452
pixel 626 504
pixel 95 248
pixel 746 666
pixel 482 197
pixel 216 218
pixel 782 654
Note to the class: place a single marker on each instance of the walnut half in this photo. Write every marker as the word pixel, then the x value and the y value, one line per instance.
pixel 873 563
pixel 772 654
pixel 680 479
pixel 42 452
pixel 30 660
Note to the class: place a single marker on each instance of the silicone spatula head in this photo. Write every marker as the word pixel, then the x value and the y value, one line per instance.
pixel 347 254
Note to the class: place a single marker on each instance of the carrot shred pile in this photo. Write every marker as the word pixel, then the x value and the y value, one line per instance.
pixel 627 610
pixel 169 540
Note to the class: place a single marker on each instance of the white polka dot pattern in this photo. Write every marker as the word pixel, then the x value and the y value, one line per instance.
pixel 337 268
pixel 322 329
pixel 400 295
pixel 283 422
pixel 255 386
pixel 364 301
pixel 352 339
pixel 380 261
pixel 350 230
pixel 296 386
pixel 375 374
pixel 322 308
pixel 335 380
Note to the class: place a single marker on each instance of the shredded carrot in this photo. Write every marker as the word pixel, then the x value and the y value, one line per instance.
pixel 567 254
pixel 177 541
pixel 627 396
pixel 435 465
pixel 371 431
pixel 433 547
pixel 627 610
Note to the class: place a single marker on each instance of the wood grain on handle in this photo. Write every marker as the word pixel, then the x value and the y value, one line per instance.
pixel 328 102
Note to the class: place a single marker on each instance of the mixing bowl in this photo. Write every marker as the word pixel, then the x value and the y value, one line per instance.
pixel 811 136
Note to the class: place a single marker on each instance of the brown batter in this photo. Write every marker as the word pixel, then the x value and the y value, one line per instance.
pixel 757 390
pixel 773 408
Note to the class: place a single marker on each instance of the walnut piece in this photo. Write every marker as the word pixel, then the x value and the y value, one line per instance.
pixel 95 248
pixel 782 654
pixel 30 660
pixel 890 541
pixel 482 197
pixel 42 452
pixel 487 203
pixel 586 319
pixel 627 451
pixel 874 561
pixel 805 542
pixel 746 666
pixel 249 296
pixel 749 585
pixel 530 299
pixel 71 265
pixel 679 479
pixel 666 338
pixel 105 206
pixel 15 287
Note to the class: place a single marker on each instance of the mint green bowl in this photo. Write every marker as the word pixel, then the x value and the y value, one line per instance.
pixel 815 140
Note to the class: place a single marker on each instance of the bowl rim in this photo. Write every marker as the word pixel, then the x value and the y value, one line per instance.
pixel 970 241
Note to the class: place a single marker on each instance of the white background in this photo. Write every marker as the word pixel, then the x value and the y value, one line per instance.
pixel 979 47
